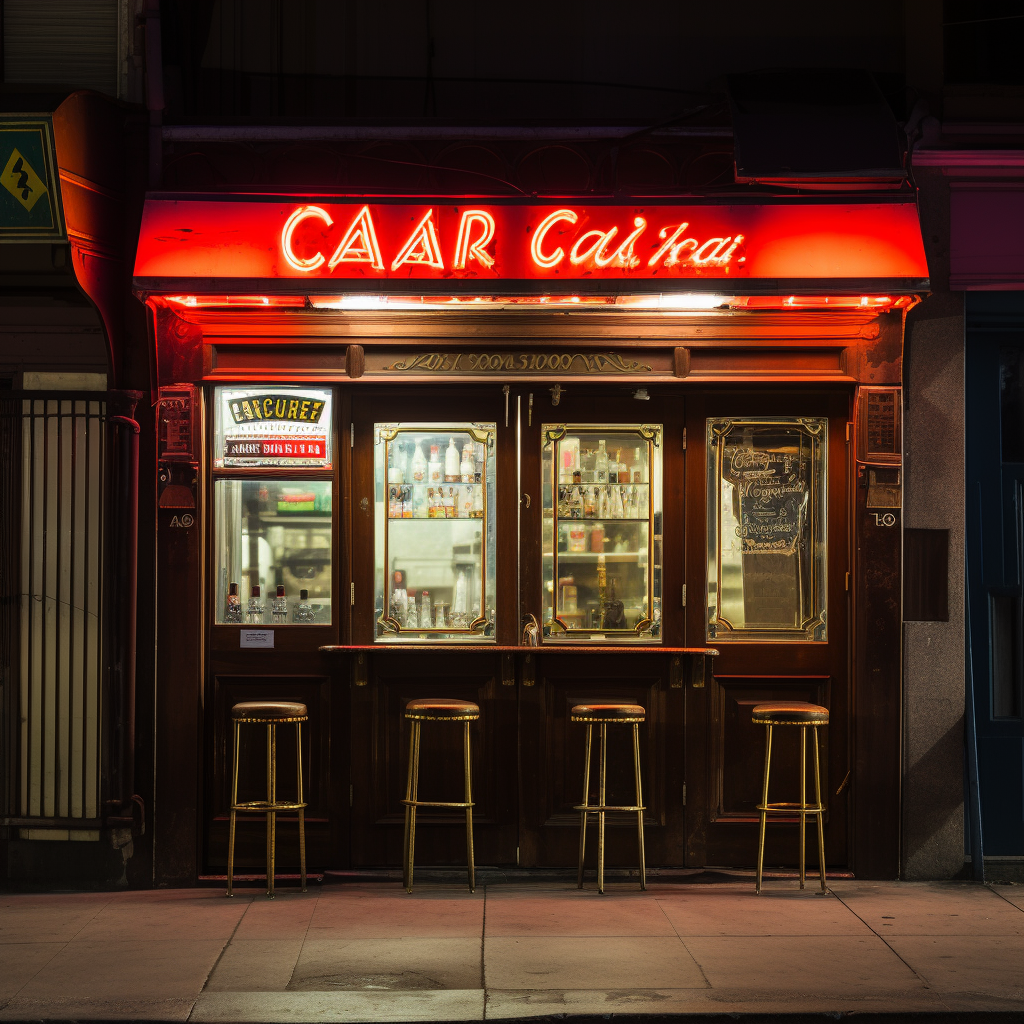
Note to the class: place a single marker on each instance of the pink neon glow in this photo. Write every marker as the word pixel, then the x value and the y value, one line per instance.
pixel 467 248
pixel 422 246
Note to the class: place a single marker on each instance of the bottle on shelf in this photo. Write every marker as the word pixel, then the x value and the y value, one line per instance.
pixel 478 502
pixel 392 501
pixel 419 465
pixel 589 502
pixel 467 467
pixel 466 500
pixel 407 503
pixel 254 615
pixel 601 463
pixel 597 537
pixel 460 606
pixel 615 510
pixel 279 606
pixel 304 610
pixel 435 469
pixel 638 467
pixel 577 538
pixel 425 610
pixel 419 502
pixel 233 609
pixel 451 463
pixel 576 503
pixel 643 502
pixel 632 503
pixel 450 505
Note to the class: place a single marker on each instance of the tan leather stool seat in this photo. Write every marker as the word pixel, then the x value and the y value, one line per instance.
pixel 441 709
pixel 789 712
pixel 624 713
pixel 269 711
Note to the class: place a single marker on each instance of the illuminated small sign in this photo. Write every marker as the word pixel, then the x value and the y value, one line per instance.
pixel 488 246
pixel 279 427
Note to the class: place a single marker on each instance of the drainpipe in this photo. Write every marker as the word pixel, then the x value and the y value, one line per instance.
pixel 123 804
pixel 154 91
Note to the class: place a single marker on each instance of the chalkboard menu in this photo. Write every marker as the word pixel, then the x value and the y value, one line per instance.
pixel 772 494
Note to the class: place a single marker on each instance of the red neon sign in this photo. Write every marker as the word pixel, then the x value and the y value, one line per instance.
pixel 329 242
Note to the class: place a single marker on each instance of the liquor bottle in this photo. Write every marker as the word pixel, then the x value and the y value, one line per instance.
pixel 255 613
pixel 601 464
pixel 638 467
pixel 233 611
pixel 449 505
pixel 643 502
pixel 589 502
pixel 439 503
pixel 633 505
pixel 419 465
pixel 279 607
pixel 616 510
pixel 304 610
pixel 467 467
pixel 478 501
pixel 431 509
pixel 577 538
pixel 425 610
pixel 603 511
pixel 419 502
pixel 460 606
pixel 597 537
pixel 392 500
pixel 407 503
pixel 576 503
pixel 466 510
pixel 435 471
pixel 451 463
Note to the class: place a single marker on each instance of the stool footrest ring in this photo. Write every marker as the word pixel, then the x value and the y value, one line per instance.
pixel 438 803
pixel 606 807
pixel 807 809
pixel 265 806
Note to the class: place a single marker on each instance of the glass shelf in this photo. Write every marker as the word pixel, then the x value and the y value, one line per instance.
pixel 601 534
pixel 435 531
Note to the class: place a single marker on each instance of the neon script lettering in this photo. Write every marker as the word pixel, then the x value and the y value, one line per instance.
pixel 562 237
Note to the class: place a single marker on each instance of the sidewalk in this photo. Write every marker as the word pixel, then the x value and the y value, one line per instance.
pixel 371 952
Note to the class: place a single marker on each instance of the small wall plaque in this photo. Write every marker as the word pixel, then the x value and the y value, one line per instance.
pixel 256 638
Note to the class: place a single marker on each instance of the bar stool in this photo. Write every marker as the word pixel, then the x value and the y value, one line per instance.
pixel 803 716
pixel 270 713
pixel 605 715
pixel 435 709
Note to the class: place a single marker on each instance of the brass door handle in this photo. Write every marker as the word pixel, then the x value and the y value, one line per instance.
pixel 525 500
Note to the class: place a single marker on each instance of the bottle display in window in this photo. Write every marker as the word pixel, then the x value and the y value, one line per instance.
pixel 601 532
pixel 434 531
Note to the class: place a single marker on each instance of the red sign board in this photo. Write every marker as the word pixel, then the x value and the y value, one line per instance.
pixel 237 243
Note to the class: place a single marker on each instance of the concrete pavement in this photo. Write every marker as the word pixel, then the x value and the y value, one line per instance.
pixel 371 952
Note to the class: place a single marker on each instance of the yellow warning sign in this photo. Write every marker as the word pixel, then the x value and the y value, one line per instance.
pixel 22 181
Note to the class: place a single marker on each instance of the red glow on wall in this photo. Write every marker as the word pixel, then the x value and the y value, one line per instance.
pixel 358 244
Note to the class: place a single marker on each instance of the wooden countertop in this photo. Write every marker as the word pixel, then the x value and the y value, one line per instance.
pixel 568 648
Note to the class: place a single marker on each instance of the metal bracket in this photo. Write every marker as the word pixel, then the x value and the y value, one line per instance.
pixel 361 670
pixel 675 672
pixel 529 670
pixel 508 669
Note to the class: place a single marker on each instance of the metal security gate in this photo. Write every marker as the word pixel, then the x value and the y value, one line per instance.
pixel 54 469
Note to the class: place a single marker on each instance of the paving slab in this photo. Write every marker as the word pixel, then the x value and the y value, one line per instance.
pixel 837 965
pixel 589 962
pixel 22 961
pixel 777 911
pixel 409 964
pixel 395 914
pixel 279 918
pixel 210 916
pixel 576 912
pixel 255 965
pixel 49 918
pixel 71 1008
pixel 951 964
pixel 931 908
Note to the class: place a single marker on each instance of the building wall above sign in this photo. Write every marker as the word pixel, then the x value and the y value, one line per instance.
pixel 236 243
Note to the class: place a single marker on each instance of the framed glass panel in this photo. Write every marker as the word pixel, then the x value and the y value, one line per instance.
pixel 266 426
pixel 601 534
pixel 767 506
pixel 272 552
pixel 434 531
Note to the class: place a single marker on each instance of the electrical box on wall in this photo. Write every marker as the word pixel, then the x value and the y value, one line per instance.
pixel 880 426
pixel 178 424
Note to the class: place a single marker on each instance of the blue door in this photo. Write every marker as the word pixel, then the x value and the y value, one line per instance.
pixel 995 558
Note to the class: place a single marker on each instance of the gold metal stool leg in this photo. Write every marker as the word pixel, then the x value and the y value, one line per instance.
pixel 764 802
pixel 639 803
pixel 821 814
pixel 408 809
pixel 586 798
pixel 803 805
pixel 469 812
pixel 271 798
pixel 600 813
pixel 233 816
pixel 412 807
pixel 300 799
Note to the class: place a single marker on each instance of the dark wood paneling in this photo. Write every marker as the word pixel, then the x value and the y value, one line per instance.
pixel 380 752
pixel 552 749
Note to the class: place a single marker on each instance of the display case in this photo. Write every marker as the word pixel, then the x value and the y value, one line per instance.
pixel 434 534
pixel 273 502
pixel 767 515
pixel 601 534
